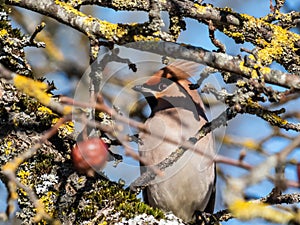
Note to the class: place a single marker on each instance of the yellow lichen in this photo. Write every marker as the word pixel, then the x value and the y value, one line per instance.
pixel 240 83
pixel 252 57
pixel 107 29
pixel 111 29
pixel 236 35
pixel 121 4
pixel 75 2
pixel 23 192
pixel 175 28
pixel 269 116
pixel 81 180
pixel 278 120
pixel 44 109
pixel 69 8
pixel 265 70
pixel 254 74
pixel 227 9
pixel 282 40
pixel 40 212
pixel 3 32
pixel 253 70
pixel 47 201
pixel 244 68
pixel 249 210
pixel 200 9
pixel 8 148
pixel 65 129
pixel 23 175
pixel 261 42
pixel 32 88
pixel 104 223
pixel 144 38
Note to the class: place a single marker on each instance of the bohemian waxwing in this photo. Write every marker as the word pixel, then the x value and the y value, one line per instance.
pixel 188 185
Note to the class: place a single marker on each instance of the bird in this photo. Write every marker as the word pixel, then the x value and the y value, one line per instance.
pixel 188 186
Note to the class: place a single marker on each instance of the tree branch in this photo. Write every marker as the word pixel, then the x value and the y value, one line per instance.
pixel 219 61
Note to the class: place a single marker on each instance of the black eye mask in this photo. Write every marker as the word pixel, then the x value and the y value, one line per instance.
pixel 162 85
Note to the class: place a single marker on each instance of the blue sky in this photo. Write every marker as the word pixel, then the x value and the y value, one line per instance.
pixel 196 34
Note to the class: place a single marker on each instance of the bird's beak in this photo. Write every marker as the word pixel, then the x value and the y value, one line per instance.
pixel 142 89
pixel 138 88
pixel 147 92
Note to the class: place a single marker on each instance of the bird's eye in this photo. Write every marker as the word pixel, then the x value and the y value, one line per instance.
pixel 162 86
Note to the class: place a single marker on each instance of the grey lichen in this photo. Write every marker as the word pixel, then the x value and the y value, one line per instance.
pixel 12 45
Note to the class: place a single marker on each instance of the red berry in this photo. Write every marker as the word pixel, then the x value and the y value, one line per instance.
pixel 89 155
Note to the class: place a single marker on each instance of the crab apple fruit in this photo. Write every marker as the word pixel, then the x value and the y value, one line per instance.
pixel 89 155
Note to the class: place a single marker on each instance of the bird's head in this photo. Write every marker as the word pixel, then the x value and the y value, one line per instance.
pixel 169 87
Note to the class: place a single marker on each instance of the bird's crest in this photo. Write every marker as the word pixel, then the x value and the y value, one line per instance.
pixel 177 70
pixel 188 68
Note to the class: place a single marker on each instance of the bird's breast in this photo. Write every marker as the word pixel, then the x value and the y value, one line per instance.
pixel 175 123
pixel 187 184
